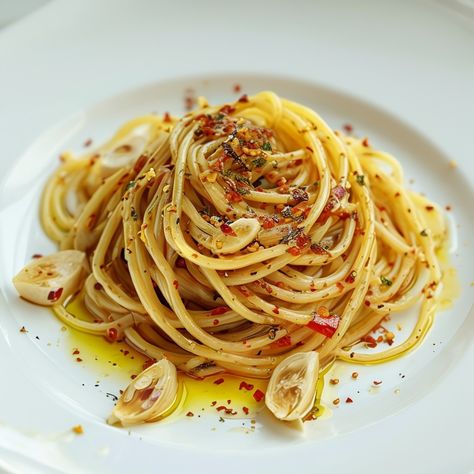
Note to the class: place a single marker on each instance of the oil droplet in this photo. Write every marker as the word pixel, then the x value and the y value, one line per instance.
pixel 451 286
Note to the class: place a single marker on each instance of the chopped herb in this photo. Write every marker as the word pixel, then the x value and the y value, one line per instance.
pixel 219 116
pixel 267 146
pixel 360 179
pixel 243 191
pixel 424 233
pixel 385 281
pixel 134 214
pixel 242 179
pixel 259 162
pixel 131 184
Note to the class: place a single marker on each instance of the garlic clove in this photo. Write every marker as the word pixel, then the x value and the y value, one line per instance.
pixel 51 279
pixel 292 387
pixel 148 396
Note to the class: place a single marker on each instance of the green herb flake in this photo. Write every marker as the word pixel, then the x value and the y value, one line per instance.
pixel 360 179
pixel 385 281
pixel 134 214
pixel 424 233
pixel 259 162
pixel 267 146
pixel 131 184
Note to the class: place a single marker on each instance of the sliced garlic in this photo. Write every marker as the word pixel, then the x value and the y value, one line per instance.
pixel 244 231
pixel 126 151
pixel 147 397
pixel 292 387
pixel 49 280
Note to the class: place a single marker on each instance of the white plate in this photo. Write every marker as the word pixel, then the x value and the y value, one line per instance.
pixel 403 90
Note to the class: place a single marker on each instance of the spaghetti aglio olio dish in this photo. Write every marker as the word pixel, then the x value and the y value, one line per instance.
pixel 248 238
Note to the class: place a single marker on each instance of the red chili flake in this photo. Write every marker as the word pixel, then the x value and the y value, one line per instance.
pixel 146 393
pixel 370 341
pixel 76 351
pixel 245 410
pixel 233 196
pixel 133 376
pixel 98 286
pixel 377 382
pixel 112 334
pixel 227 230
pixel 302 240
pixel 344 215
pixel 258 395
pixel 221 407
pixel 237 88
pixel 429 208
pixel 285 341
pixel 325 326
pixel 36 255
pixel 349 400
pixel 88 142
pixel 148 363
pixel 167 117
pixel 229 402
pixel 189 413
pixel 54 295
pixel 295 251
pixel 227 109
pixel 324 216
pixel 246 386
pixel 180 262
pixel 269 223
pixel 365 142
pixel 78 359
pixel 339 192
pixel 276 310
pixel 299 195
pixel 243 98
pixel 219 381
pixel 176 284
pixel 351 277
pixel 340 286
pixel 213 404
pixel 219 310
pixel 348 127
pixel 215 322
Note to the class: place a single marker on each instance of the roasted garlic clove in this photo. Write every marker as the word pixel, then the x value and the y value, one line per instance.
pixel 292 387
pixel 149 396
pixel 49 280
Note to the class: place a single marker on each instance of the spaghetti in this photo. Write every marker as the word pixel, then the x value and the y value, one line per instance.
pixel 242 234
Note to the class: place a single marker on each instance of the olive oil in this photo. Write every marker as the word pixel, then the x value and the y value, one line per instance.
pixel 226 395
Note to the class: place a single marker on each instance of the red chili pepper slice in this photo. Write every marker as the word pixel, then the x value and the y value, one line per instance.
pixel 325 326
